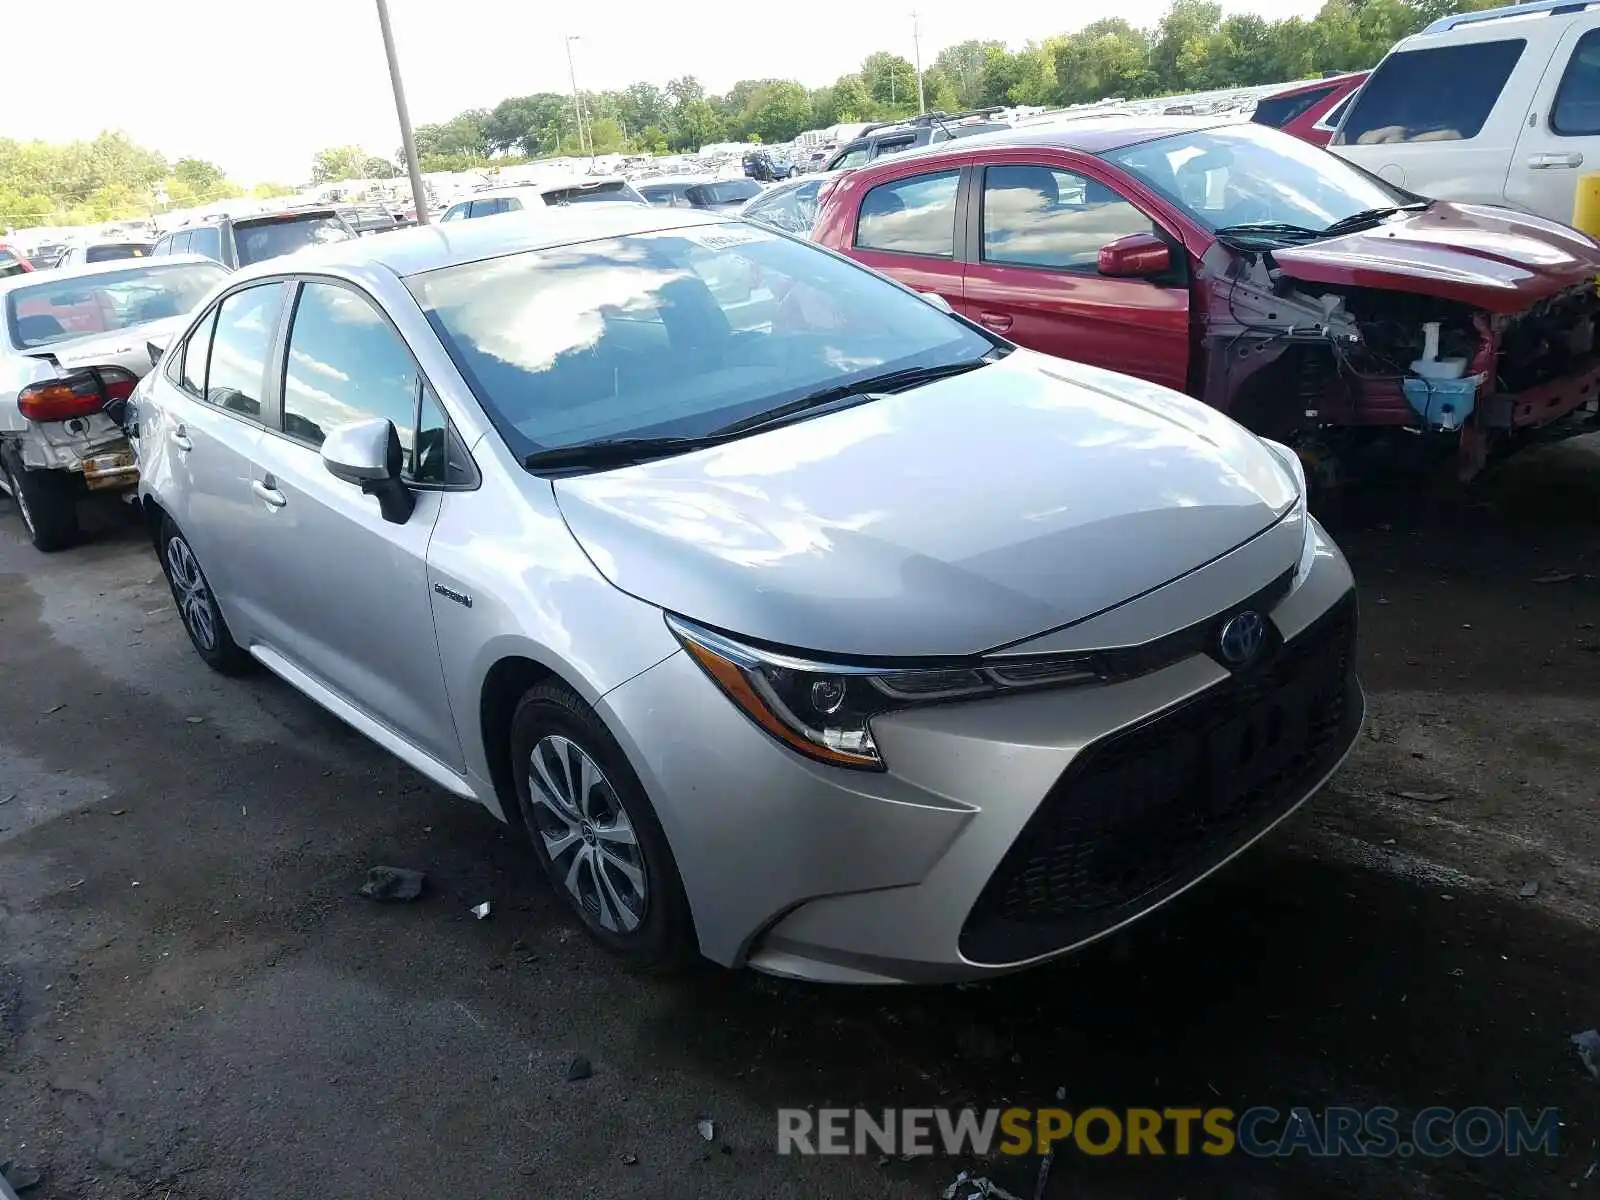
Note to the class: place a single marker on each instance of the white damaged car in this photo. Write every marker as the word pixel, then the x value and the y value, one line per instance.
pixel 73 345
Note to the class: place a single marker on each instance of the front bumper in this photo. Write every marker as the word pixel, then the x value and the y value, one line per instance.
pixel 1004 832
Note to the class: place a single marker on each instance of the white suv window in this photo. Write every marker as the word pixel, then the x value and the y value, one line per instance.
pixel 1434 94
pixel 1576 112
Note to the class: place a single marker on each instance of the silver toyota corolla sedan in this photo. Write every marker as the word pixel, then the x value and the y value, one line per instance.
pixel 799 623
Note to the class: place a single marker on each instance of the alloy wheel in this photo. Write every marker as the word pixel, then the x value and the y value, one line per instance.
pixel 587 834
pixel 23 508
pixel 194 597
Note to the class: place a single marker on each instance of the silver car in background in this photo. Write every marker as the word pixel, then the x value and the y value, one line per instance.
pixel 837 637
pixel 73 342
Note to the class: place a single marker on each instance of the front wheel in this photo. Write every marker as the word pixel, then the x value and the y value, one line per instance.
pixel 197 605
pixel 594 831
pixel 47 501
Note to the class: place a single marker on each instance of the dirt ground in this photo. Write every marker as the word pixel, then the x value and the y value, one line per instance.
pixel 195 1004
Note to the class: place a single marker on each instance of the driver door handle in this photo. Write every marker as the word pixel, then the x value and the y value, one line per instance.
pixel 179 437
pixel 1544 162
pixel 266 491
pixel 999 322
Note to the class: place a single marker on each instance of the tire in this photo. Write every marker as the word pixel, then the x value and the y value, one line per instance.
pixel 197 605
pixel 47 502
pixel 610 864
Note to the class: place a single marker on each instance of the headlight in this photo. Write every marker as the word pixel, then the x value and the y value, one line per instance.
pixel 1297 472
pixel 825 710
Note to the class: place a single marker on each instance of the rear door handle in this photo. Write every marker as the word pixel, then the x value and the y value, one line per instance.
pixel 266 492
pixel 180 438
pixel 1545 162
pixel 998 322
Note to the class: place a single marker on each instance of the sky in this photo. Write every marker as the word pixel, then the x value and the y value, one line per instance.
pixel 258 88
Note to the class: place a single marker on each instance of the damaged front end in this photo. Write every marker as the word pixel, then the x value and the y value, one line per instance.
pixel 1335 368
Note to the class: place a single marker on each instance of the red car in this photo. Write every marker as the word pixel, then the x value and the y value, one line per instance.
pixel 1310 111
pixel 1308 299
pixel 13 261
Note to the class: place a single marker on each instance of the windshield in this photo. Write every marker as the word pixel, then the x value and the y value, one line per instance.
pixel 616 190
pixel 258 240
pixel 730 191
pixel 58 310
pixel 672 333
pixel 1248 174
pixel 107 251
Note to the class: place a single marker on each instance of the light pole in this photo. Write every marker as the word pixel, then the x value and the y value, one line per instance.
pixel 577 99
pixel 916 50
pixel 419 195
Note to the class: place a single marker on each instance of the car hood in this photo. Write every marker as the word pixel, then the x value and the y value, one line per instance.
pixel 951 519
pixel 1490 258
pixel 128 348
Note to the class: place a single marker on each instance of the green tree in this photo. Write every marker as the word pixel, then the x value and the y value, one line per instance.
pixel 964 63
pixel 204 177
pixel 338 162
pixel 890 80
pixel 939 90
pixel 695 124
pixel 779 110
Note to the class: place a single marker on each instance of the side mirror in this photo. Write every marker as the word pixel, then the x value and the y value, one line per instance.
pixel 937 301
pixel 368 454
pixel 1137 256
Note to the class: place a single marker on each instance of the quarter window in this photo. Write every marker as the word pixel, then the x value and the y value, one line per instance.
pixel 1440 94
pixel 191 360
pixel 1576 112
pixel 916 215
pixel 1042 217
pixel 346 363
pixel 240 346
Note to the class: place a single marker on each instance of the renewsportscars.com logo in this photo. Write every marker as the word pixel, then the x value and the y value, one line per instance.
pixel 1260 1132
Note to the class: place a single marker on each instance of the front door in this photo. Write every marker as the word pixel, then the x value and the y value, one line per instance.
pixel 1560 141
pixel 348 596
pixel 1034 275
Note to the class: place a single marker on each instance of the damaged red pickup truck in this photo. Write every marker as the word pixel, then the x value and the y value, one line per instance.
pixel 1310 300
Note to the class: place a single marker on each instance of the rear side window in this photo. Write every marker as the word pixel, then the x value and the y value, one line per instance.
pixel 259 240
pixel 1042 217
pixel 1576 112
pixel 180 243
pixel 246 322
pixel 1278 111
pixel 895 146
pixel 206 240
pixel 916 215
pixel 851 159
pixel 1440 94
pixel 193 354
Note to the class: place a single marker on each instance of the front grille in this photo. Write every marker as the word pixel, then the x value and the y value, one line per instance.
pixel 1150 807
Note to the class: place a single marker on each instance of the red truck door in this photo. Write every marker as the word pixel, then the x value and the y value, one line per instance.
pixel 905 227
pixel 1037 221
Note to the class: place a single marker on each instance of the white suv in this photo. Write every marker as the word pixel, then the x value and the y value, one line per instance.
pixel 1494 107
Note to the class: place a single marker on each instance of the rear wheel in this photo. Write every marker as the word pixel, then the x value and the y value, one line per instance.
pixel 197 605
pixel 594 831
pixel 47 501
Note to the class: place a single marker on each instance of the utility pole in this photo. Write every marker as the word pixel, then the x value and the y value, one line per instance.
pixel 577 98
pixel 916 50
pixel 419 195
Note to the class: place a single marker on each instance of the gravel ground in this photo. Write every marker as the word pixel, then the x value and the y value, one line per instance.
pixel 195 1004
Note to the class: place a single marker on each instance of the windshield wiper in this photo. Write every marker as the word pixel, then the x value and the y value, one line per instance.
pixel 890 381
pixel 1371 216
pixel 1265 231
pixel 615 452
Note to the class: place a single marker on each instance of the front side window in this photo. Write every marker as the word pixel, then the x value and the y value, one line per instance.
pixel 240 345
pixel 1437 94
pixel 1576 112
pixel 455 213
pixel 916 215
pixel 1249 174
pixel 670 333
pixel 1043 217
pixel 346 363
pixel 59 310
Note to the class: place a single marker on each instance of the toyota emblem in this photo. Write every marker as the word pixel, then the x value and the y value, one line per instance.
pixel 1241 637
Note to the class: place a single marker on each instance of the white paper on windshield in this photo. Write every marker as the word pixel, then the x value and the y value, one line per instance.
pixel 719 237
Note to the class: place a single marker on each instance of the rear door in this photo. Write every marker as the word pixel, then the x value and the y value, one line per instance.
pixel 1037 223
pixel 1442 119
pixel 907 228
pixel 1561 137
pixel 345 593
pixel 202 445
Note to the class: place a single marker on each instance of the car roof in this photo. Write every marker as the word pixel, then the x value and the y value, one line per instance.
pixel 1309 85
pixel 540 186
pixel 1091 135
pixel 420 248
pixel 110 267
pixel 683 180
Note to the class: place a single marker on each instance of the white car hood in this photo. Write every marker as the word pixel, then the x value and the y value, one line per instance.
pixel 947 520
